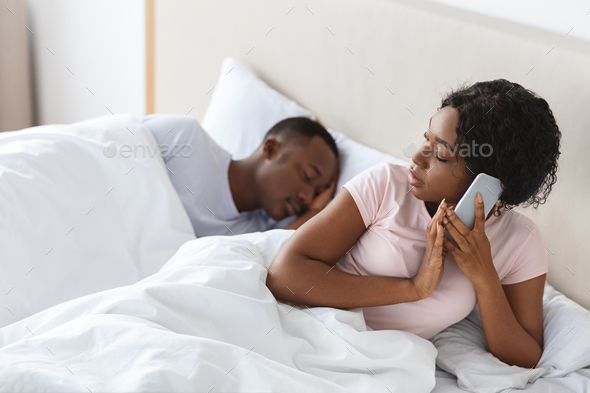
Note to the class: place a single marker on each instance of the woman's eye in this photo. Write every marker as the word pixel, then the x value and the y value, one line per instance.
pixel 436 155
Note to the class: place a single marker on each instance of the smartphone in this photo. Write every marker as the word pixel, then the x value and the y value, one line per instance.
pixel 490 190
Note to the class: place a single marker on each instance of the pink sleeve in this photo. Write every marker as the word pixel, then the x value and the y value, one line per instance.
pixel 530 262
pixel 368 190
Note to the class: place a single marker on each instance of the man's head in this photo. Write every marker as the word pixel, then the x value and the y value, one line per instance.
pixel 296 161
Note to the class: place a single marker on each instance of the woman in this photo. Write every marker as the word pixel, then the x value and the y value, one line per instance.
pixel 384 231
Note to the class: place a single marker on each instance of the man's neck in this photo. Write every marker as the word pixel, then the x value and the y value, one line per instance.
pixel 241 176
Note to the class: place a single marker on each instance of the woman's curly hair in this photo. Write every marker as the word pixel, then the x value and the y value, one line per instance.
pixel 523 135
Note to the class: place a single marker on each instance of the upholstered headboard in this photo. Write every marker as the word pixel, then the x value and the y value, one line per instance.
pixel 376 69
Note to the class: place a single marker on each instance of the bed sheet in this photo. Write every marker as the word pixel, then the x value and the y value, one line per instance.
pixel 574 382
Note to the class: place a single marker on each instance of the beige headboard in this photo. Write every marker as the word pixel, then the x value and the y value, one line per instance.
pixel 376 69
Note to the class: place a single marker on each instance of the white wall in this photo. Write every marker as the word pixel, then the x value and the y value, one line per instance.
pixel 559 16
pixel 102 44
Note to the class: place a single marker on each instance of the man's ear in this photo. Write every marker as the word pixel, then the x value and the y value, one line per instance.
pixel 270 147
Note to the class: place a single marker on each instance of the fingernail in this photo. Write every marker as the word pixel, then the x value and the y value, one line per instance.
pixel 479 198
pixel 442 202
pixel 445 220
pixel 449 212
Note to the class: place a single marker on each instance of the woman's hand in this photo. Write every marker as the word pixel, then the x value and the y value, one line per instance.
pixel 473 254
pixel 431 269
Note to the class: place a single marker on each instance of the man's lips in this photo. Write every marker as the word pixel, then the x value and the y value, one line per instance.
pixel 292 207
pixel 414 180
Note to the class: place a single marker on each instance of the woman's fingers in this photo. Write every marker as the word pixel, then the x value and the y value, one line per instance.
pixel 448 246
pixel 457 223
pixel 457 236
pixel 438 244
pixel 480 218
pixel 432 227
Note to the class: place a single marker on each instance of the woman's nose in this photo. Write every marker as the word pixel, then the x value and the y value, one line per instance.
pixel 420 158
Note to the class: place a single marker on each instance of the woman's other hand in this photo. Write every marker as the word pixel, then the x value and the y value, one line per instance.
pixel 432 267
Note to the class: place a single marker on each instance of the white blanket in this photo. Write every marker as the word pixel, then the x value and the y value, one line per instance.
pixel 78 215
pixel 207 322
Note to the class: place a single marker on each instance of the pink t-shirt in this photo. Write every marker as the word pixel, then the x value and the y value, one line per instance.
pixel 396 242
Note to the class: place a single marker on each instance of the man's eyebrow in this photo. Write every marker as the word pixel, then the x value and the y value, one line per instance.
pixel 316 170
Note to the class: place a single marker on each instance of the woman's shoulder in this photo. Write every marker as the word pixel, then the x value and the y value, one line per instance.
pixel 382 177
pixel 520 249
pixel 389 170
pixel 516 231
pixel 515 222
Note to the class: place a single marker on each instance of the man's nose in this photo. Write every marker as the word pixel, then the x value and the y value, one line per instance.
pixel 306 195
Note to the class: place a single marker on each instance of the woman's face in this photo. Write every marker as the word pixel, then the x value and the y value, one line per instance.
pixel 438 166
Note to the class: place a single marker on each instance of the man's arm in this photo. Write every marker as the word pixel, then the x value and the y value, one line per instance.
pixel 303 270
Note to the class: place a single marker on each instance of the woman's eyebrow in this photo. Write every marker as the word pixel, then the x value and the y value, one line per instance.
pixel 447 144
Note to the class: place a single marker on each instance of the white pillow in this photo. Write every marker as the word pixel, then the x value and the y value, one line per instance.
pixel 566 334
pixel 356 157
pixel 463 351
pixel 243 108
pixel 75 219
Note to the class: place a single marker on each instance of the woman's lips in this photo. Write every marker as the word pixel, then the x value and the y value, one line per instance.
pixel 413 180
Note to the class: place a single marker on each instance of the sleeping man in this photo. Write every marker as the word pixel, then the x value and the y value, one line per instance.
pixel 292 173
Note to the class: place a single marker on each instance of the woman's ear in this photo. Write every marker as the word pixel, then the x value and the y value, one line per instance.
pixel 494 208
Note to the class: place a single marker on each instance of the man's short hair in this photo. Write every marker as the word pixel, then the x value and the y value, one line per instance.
pixel 298 127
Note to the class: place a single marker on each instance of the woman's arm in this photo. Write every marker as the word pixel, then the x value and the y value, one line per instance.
pixel 512 317
pixel 303 270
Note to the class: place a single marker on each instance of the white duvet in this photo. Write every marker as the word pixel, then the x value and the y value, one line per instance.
pixel 74 220
pixel 206 322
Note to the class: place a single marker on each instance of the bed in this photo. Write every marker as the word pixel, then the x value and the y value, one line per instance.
pixel 139 304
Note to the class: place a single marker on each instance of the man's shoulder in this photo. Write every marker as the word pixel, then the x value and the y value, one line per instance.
pixel 179 130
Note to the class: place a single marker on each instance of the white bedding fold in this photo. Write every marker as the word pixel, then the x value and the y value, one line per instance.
pixel 207 321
